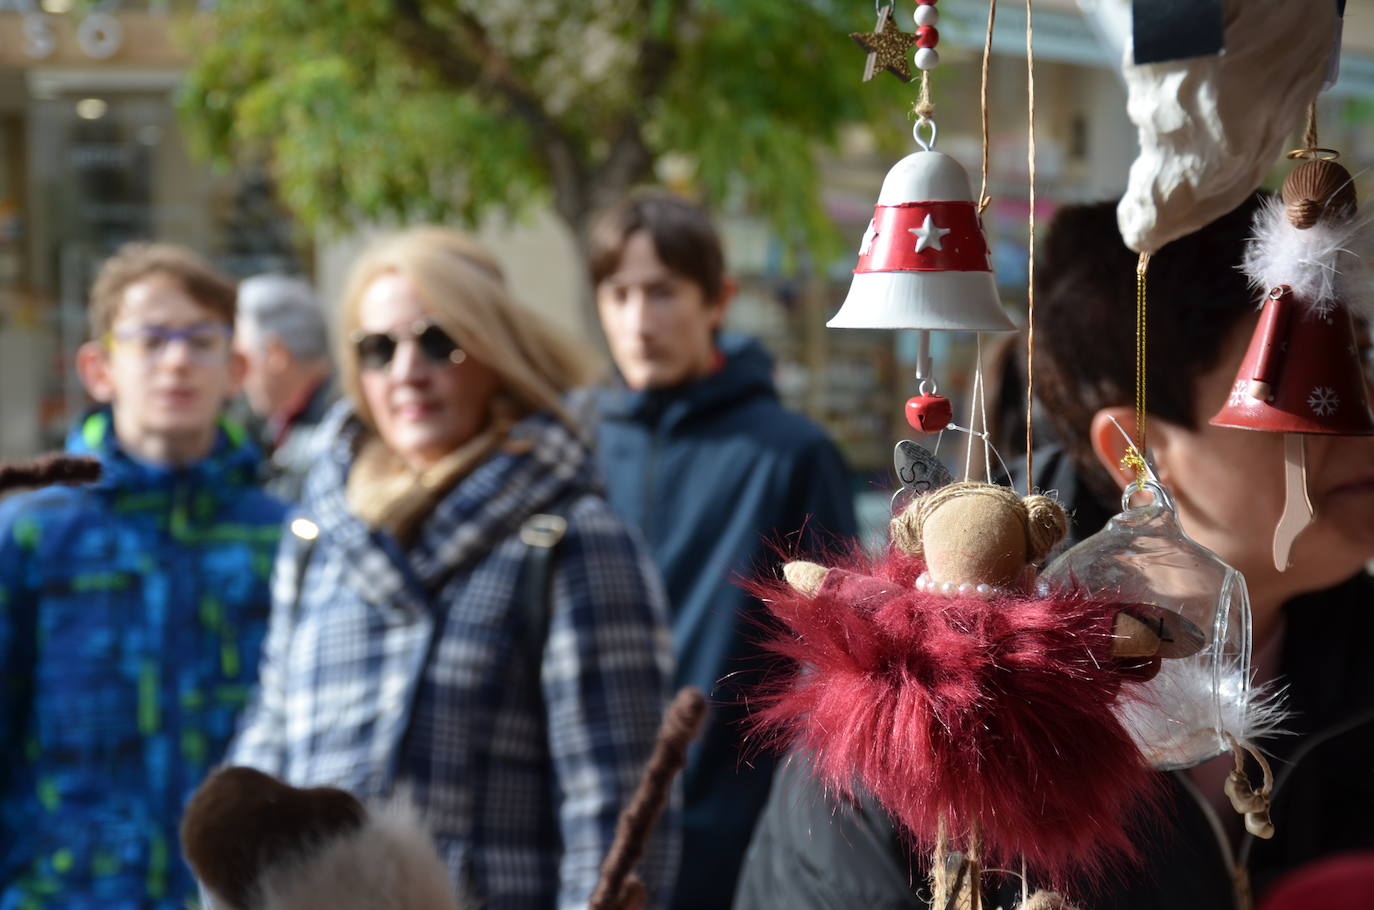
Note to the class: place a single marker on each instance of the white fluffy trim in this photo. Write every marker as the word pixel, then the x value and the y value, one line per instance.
pixel 1325 264
pixel 388 864
pixel 1182 719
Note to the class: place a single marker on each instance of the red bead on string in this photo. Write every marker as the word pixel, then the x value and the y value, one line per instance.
pixel 927 36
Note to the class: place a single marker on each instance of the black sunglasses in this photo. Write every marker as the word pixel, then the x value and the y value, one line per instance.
pixel 376 349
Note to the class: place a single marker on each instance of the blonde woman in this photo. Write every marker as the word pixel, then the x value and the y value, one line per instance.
pixel 470 623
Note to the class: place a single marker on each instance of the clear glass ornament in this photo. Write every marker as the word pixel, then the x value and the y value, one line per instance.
pixel 1186 713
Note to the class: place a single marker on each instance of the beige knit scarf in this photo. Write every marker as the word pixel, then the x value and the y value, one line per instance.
pixel 386 493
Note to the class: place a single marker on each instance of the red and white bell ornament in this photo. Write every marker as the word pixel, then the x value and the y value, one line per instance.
pixel 924 262
pixel 1302 373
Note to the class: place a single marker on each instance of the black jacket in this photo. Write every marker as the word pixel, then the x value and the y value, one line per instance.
pixel 809 852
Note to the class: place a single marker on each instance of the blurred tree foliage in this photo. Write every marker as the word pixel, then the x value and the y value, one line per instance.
pixel 436 109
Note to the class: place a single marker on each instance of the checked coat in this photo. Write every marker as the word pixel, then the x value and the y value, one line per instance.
pixel 414 671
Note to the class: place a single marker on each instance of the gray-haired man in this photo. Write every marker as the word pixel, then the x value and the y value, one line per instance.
pixel 283 336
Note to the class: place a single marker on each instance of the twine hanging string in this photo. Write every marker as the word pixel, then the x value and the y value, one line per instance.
pixel 975 867
pixel 1310 134
pixel 1134 458
pixel 924 107
pixel 939 874
pixel 983 197
pixel 1030 246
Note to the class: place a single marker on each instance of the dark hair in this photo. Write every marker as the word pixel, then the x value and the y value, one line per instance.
pixel 136 261
pixel 681 231
pixel 1085 322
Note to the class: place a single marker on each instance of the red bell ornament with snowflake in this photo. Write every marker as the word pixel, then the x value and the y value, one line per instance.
pixel 1302 373
pixel 1308 254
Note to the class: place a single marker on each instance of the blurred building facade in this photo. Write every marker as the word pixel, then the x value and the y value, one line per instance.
pixel 93 156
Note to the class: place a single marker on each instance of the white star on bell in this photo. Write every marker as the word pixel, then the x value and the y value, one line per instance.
pixel 870 235
pixel 928 235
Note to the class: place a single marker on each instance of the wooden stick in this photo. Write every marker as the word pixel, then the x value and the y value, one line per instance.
pixel 47 470
pixel 618 889
pixel 1297 507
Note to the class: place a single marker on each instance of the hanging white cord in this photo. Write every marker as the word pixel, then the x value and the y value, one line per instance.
pixel 978 419
pixel 982 395
pixel 972 418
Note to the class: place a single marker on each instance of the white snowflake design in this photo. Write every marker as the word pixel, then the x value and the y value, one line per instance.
pixel 1323 401
pixel 1238 395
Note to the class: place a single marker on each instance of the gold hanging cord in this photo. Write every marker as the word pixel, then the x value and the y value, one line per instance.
pixel 1310 148
pixel 1134 459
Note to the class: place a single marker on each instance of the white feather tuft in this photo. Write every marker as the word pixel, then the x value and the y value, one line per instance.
pixel 1183 718
pixel 1325 265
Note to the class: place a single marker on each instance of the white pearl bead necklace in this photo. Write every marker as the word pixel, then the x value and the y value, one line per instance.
pixel 928 585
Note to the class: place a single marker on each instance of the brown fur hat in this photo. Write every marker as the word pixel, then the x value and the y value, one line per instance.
pixel 255 843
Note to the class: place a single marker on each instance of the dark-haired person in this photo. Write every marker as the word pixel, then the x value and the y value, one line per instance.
pixel 1311 623
pixel 132 611
pixel 700 455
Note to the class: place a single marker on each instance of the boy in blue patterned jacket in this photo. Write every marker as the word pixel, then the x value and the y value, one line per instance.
pixel 131 611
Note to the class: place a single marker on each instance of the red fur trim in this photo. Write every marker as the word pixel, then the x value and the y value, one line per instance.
pixel 990 712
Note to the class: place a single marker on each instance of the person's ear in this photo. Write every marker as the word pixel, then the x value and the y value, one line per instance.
pixel 721 305
pixel 93 367
pixel 1109 445
pixel 276 357
pixel 238 368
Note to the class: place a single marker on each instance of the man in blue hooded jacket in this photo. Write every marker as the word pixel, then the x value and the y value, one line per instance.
pixel 719 477
pixel 132 611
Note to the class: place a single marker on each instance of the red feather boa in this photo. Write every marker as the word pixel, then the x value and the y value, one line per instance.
pixel 994 712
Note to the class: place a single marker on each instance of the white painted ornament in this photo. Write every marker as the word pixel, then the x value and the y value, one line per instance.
pixel 924 262
pixel 927 58
pixel 927 15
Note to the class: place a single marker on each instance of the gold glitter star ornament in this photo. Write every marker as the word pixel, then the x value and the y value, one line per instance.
pixel 888 47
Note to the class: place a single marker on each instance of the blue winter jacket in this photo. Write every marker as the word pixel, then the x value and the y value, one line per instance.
pixel 722 480
pixel 132 614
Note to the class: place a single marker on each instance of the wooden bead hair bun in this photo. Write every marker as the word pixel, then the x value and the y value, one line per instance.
pixel 1315 189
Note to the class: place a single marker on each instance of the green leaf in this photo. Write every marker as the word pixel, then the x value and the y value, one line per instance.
pixel 373 110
